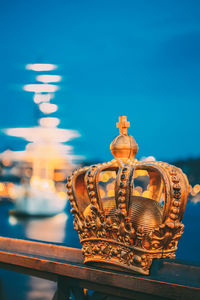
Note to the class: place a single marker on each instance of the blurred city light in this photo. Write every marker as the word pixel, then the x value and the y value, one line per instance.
pixel 41 67
pixel 45 134
pixel 42 97
pixel 12 220
pixel 48 78
pixel 41 88
pixel 148 158
pixel 45 163
pixel 49 122
pixel 48 108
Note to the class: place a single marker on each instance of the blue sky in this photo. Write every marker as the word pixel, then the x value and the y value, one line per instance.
pixel 134 58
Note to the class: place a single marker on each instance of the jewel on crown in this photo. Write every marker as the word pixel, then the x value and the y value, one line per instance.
pixel 126 211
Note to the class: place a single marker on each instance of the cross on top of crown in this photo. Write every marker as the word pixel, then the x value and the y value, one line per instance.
pixel 123 124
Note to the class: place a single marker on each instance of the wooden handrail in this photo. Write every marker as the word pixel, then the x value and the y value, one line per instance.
pixel 40 248
pixel 168 279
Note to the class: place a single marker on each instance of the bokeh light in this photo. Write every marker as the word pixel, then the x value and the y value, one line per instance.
pixel 48 108
pixel 41 88
pixel 41 67
pixel 48 78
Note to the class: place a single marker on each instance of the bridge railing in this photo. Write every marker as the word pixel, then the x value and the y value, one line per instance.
pixel 168 280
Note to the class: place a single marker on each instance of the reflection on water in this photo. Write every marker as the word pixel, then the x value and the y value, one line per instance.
pixel 56 229
pixel 59 229
pixel 40 289
pixel 48 229
pixel 17 286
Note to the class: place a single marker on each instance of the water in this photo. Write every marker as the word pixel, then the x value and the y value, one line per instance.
pixel 59 229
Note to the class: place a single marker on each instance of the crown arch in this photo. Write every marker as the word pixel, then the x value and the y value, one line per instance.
pixel 175 185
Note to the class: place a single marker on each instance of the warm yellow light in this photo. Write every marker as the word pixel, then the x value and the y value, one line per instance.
pixel 105 176
pixel 2 187
pixel 42 184
pixel 111 193
pixel 146 194
pixel 41 88
pixel 102 193
pixel 48 108
pixel 136 193
pixel 49 122
pixel 41 67
pixel 58 176
pixel 48 78
pixel 139 173
pixel 62 195
pixel 38 98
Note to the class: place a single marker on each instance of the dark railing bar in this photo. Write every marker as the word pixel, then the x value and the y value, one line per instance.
pixel 169 280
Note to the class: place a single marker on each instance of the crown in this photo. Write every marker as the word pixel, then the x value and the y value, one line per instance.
pixel 128 212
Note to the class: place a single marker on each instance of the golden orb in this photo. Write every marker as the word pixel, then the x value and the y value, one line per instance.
pixel 124 146
pixel 145 212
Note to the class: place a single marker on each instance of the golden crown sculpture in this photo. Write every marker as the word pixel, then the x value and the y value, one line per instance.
pixel 126 230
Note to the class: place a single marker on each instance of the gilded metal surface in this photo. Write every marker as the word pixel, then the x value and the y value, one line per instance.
pixel 127 231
